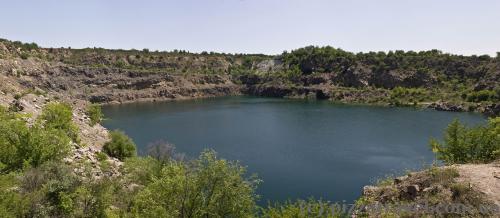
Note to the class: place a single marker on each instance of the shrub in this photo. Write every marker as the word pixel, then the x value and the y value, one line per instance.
pixel 60 116
pixel 95 114
pixel 120 146
pixel 24 56
pixel 10 199
pixel 210 188
pixel 142 170
pixel 53 190
pixel 301 208
pixel 24 146
pixel 483 95
pixel 120 64
pixel 319 59
pixel 408 94
pixel 464 145
pixel 101 156
pixel 25 46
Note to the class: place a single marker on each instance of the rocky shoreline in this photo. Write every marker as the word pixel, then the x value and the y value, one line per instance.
pixel 120 76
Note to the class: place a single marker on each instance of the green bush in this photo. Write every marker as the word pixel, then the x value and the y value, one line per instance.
pixel 211 187
pixel 95 114
pixel 142 170
pixel 465 145
pixel 53 190
pixel 319 59
pixel 25 46
pixel 483 95
pixel 23 146
pixel 101 156
pixel 120 146
pixel 24 56
pixel 301 208
pixel 60 116
pixel 413 95
pixel 9 198
pixel 120 64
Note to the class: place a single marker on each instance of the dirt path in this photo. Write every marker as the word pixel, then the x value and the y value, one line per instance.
pixel 485 177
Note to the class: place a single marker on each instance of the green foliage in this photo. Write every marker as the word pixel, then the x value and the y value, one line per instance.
pixel 53 190
pixel 465 145
pixel 24 56
pixel 95 114
pixel 120 146
pixel 303 209
pixel 60 116
pixel 101 156
pixel 319 59
pixel 9 197
pixel 120 64
pixel 291 74
pixel 142 171
pixel 25 46
pixel 24 146
pixel 210 188
pixel 402 95
pixel 205 187
pixel 484 95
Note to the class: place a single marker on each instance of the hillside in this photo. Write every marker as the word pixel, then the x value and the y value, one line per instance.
pixel 424 79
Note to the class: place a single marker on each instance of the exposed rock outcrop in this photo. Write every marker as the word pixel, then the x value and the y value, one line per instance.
pixel 446 106
pixel 433 190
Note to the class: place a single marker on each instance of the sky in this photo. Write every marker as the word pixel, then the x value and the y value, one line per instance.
pixel 257 26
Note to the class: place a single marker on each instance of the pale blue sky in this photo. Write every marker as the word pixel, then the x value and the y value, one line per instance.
pixel 256 26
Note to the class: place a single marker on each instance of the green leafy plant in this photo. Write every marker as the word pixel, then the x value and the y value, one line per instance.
pixel 95 114
pixel 120 146
pixel 211 187
pixel 465 145
pixel 302 208
pixel 483 95
pixel 101 156
pixel 24 146
pixel 60 116
pixel 24 56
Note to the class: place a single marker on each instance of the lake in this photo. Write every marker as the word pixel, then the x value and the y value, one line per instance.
pixel 298 148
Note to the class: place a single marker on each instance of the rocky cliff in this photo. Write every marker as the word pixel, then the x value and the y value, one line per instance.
pixel 431 79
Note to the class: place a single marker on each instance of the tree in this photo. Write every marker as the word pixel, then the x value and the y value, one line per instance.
pixel 465 145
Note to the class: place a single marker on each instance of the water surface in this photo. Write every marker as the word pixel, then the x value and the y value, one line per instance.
pixel 298 148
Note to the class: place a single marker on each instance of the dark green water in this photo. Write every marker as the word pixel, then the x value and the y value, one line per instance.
pixel 299 148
